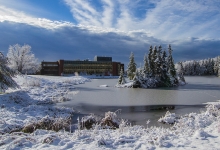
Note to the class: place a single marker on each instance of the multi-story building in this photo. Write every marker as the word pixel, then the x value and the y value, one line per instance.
pixel 100 66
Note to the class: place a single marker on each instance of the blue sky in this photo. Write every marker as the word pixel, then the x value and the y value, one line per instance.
pixel 81 29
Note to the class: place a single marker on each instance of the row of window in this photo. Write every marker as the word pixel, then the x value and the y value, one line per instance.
pixel 86 62
pixel 89 67
pixel 109 65
pixel 55 70
pixel 101 70
pixel 50 67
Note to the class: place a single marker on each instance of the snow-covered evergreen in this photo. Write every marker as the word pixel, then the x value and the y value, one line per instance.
pixel 171 67
pixel 165 79
pixel 208 66
pixel 146 69
pixel 151 64
pixel 158 70
pixel 6 75
pixel 131 67
pixel 121 79
pixel 217 66
pixel 180 71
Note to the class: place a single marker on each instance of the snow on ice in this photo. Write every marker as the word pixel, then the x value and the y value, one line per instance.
pixel 35 101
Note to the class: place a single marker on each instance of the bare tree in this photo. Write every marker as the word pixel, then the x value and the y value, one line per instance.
pixel 22 59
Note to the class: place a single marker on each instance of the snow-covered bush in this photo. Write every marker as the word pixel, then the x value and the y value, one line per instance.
pixel 169 118
pixel 110 120
pixel 123 125
pixel 213 108
pixel 87 122
pixel 30 82
pixel 48 123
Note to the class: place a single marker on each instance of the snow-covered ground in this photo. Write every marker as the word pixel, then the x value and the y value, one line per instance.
pixel 35 101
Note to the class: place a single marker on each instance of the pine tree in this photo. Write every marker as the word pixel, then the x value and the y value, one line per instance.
pixel 154 61
pixel 165 80
pixel 146 69
pixel 131 67
pixel 171 66
pixel 121 79
pixel 137 80
pixel 151 63
pixel 159 62
pixel 211 66
pixel 217 66
pixel 6 75
pixel 180 72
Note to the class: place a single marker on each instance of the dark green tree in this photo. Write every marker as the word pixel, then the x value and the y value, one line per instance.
pixel 159 62
pixel 137 80
pixel 171 66
pixel 165 79
pixel 180 72
pixel 150 60
pixel 146 69
pixel 121 79
pixel 131 67
pixel 217 66
pixel 154 61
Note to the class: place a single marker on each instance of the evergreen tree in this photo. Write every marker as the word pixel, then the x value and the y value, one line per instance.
pixel 131 67
pixel 202 67
pixel 165 80
pixel 196 68
pixel 170 63
pixel 158 70
pixel 217 66
pixel 159 62
pixel 154 61
pixel 137 80
pixel 171 66
pixel 146 69
pixel 180 72
pixel 121 79
pixel 6 75
pixel 151 63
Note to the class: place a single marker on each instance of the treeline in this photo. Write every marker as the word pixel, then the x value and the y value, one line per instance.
pixel 210 66
pixel 158 70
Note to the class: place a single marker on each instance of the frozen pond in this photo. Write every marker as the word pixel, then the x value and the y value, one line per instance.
pixel 139 105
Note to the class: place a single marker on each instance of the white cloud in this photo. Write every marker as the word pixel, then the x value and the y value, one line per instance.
pixel 108 13
pixel 7 14
pixel 115 27
pixel 167 19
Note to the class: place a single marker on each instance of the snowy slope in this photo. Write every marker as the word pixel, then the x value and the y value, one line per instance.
pixel 35 100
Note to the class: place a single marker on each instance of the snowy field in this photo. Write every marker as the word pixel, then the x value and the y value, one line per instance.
pixel 35 101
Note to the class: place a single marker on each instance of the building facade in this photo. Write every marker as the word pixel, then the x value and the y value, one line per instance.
pixel 101 66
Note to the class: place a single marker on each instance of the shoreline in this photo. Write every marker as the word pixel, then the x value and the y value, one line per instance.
pixel 33 102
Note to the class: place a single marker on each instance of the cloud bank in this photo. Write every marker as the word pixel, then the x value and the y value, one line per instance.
pixel 167 19
pixel 110 28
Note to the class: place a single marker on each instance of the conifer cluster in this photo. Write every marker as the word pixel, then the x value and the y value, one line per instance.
pixel 210 66
pixel 158 70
